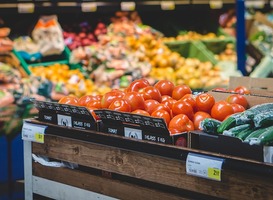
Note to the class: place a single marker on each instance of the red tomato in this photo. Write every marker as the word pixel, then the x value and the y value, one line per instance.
pixel 190 98
pixel 180 90
pixel 150 105
pixel 141 112
pixel 182 107
pixel 198 117
pixel 135 100
pixel 237 107
pixel 182 123
pixel 151 92
pixel 173 131
pixel 109 97
pixel 120 105
pixel 165 97
pixel 204 102
pixel 137 85
pixel 181 141
pixel 161 106
pixel 69 100
pixel 237 98
pixel 221 110
pixel 162 114
pixel 94 103
pixel 165 87
pixel 169 102
pixel 84 100
pixel 242 90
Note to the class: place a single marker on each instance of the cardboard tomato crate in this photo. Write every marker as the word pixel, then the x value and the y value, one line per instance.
pixel 137 126
pixel 66 115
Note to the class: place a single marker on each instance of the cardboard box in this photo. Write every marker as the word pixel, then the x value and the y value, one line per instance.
pixel 136 126
pixel 65 115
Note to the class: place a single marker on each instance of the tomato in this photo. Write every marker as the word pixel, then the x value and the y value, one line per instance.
pixel 165 97
pixel 182 123
pixel 198 117
pixel 109 97
pixel 242 90
pixel 169 102
pixel 91 110
pixel 180 90
pixel 94 103
pixel 182 107
pixel 162 114
pixel 165 87
pixel 69 100
pixel 181 141
pixel 150 105
pixel 237 98
pixel 173 131
pixel 137 85
pixel 221 110
pixel 84 100
pixel 190 98
pixel 237 107
pixel 140 112
pixel 135 100
pixel 151 92
pixel 120 105
pixel 161 106
pixel 204 102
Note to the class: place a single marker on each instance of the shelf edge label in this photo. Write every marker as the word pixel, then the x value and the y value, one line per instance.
pixel 204 166
pixel 255 4
pixel 33 132
pixel 25 7
pixel 167 5
pixel 128 6
pixel 89 7
pixel 216 4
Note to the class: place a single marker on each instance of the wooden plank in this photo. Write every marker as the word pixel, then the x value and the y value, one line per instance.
pixel 98 184
pixel 171 172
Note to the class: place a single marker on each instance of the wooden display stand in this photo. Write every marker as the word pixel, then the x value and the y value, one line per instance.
pixel 116 167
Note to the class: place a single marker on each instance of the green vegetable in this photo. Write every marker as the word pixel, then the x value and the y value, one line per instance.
pixel 255 134
pixel 265 138
pixel 243 135
pixel 263 119
pixel 245 117
pixel 237 130
pixel 210 125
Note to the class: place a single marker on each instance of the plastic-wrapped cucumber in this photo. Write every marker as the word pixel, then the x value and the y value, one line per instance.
pixel 265 138
pixel 242 136
pixel 255 134
pixel 210 125
pixel 263 119
pixel 236 130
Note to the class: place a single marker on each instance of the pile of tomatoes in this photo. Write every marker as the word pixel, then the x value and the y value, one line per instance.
pixel 176 104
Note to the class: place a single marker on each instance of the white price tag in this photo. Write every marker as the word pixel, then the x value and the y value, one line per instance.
pixel 268 154
pixel 259 4
pixel 167 5
pixel 133 133
pixel 25 7
pixel 216 4
pixel 33 132
pixel 128 6
pixel 89 7
pixel 204 166
pixel 64 120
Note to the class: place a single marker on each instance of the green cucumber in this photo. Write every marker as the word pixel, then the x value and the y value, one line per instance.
pixel 236 130
pixel 242 136
pixel 255 134
pixel 263 119
pixel 210 125
pixel 265 138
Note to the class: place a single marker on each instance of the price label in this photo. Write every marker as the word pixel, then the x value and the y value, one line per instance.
pixel 255 4
pixel 133 133
pixel 128 6
pixel 25 7
pixel 216 4
pixel 167 5
pixel 89 7
pixel 204 166
pixel 33 132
